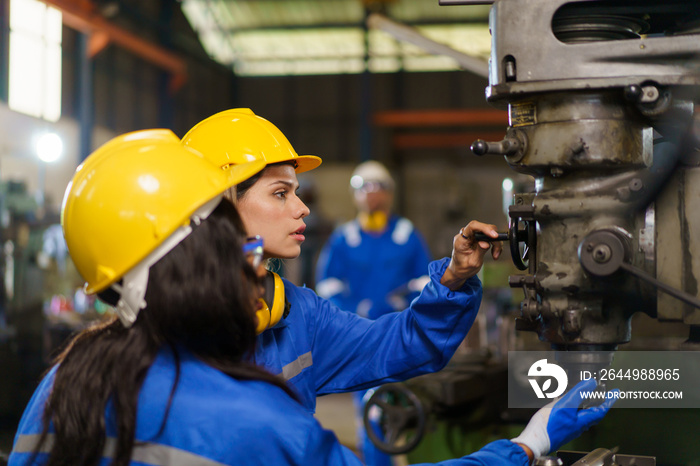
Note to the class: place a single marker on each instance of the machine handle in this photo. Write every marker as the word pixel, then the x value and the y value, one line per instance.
pixel 515 236
pixel 400 416
pixel 507 146
pixel 678 294
pixel 479 236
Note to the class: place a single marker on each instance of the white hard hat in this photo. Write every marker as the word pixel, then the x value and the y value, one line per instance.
pixel 373 175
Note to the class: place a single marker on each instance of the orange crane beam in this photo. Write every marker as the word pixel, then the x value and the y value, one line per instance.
pixel 423 118
pixel 81 15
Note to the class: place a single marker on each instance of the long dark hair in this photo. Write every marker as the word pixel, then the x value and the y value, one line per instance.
pixel 199 298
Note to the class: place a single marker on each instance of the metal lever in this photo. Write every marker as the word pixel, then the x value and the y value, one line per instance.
pixel 603 253
pixel 479 236
pixel 514 236
pixel 598 457
pixel 678 294
pixel 506 147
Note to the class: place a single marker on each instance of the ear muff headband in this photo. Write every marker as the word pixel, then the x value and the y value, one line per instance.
pixel 269 315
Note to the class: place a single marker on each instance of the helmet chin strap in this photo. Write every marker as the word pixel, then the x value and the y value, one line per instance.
pixel 132 291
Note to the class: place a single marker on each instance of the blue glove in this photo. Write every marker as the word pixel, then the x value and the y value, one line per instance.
pixel 561 421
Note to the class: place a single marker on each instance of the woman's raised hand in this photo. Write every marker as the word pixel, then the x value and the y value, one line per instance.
pixel 468 254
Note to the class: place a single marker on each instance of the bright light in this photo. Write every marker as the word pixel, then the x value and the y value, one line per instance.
pixel 507 184
pixel 49 147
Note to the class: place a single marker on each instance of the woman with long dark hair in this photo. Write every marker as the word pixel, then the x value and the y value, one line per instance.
pixel 170 258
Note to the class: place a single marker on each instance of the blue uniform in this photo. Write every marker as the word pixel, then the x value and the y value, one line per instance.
pixel 368 273
pixel 320 349
pixel 215 420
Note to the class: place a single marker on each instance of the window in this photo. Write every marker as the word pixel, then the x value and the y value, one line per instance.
pixel 35 59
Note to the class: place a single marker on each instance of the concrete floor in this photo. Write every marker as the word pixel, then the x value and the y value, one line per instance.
pixel 336 412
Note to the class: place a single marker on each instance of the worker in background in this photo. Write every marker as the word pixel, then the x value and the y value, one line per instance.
pixel 168 381
pixel 372 266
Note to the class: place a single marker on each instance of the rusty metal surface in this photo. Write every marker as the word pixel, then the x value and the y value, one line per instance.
pixel 601 115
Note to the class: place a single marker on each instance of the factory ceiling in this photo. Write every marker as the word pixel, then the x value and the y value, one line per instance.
pixel 294 37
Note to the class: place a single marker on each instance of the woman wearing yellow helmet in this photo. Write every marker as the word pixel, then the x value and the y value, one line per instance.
pixel 176 264
pixel 317 347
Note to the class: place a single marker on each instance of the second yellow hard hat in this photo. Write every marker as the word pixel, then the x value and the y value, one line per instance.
pixel 238 135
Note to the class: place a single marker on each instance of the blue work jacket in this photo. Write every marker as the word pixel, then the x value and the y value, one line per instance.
pixel 321 349
pixel 372 274
pixel 215 420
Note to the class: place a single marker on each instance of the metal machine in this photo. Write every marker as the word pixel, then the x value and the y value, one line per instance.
pixel 601 97
pixel 602 116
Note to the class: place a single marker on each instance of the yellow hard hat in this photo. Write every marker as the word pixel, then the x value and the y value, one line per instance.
pixel 130 196
pixel 238 135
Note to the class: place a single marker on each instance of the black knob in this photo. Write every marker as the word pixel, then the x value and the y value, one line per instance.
pixel 633 93
pixel 480 147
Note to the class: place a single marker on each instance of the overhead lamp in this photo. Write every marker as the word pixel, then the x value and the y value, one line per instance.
pixel 49 147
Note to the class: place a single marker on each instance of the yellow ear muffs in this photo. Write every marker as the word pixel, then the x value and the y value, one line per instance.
pixel 374 222
pixel 272 313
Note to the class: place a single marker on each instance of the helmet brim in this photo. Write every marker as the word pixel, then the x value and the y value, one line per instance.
pixel 306 163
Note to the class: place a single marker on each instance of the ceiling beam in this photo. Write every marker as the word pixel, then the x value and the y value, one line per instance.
pixel 413 36
pixel 82 16
pixel 234 29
